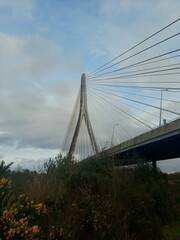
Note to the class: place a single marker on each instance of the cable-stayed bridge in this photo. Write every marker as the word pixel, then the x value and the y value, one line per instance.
pixel 131 104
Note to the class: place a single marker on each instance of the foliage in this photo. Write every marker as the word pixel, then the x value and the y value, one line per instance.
pixel 95 200
pixel 4 169
pixel 20 218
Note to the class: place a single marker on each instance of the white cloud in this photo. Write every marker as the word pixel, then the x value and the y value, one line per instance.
pixel 170 166
pixel 19 7
pixel 35 100
pixel 123 23
pixel 167 9
pixel 28 57
pixel 115 8
pixel 10 44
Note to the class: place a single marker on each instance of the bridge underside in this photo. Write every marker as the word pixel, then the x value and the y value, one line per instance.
pixel 164 149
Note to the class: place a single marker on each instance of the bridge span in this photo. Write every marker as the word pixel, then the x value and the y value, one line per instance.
pixel 158 144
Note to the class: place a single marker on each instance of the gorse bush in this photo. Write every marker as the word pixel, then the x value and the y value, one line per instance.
pixel 20 218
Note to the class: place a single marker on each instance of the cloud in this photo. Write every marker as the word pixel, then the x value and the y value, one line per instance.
pixel 6 139
pixel 10 44
pixel 170 166
pixel 122 24
pixel 30 58
pixel 19 7
pixel 27 163
pixel 114 9
pixel 35 99
pixel 32 120
pixel 167 10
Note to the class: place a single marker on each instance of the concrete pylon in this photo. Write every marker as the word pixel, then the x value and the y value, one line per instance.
pixel 83 113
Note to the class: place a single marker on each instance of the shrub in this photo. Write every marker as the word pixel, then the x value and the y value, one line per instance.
pixel 20 218
pixel 93 200
pixel 4 169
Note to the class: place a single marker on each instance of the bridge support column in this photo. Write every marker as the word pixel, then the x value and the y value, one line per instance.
pixel 154 165
pixel 83 113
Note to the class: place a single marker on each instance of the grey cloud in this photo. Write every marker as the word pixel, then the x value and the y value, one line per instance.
pixel 38 130
pixel 44 142
pixel 33 120
pixel 34 106
pixel 6 139
pixel 28 163
pixel 33 62
pixel 170 166
pixel 42 55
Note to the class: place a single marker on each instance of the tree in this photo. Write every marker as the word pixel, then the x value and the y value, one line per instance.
pixel 4 169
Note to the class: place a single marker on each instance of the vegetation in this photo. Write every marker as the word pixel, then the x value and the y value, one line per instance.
pixel 89 200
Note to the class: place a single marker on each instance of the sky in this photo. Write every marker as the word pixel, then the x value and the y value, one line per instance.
pixel 45 46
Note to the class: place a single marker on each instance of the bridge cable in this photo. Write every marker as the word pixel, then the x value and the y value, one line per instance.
pixel 135 54
pixel 139 102
pixel 141 95
pixel 135 46
pixel 110 112
pixel 127 113
pixel 146 61
pixel 114 118
pixel 136 71
pixel 137 108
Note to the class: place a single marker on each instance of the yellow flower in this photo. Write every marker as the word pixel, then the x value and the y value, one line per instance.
pixel 40 208
pixel 61 233
pixel 3 181
pixel 35 229
pixel 11 232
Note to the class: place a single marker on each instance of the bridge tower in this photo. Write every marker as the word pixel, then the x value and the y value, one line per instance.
pixel 83 113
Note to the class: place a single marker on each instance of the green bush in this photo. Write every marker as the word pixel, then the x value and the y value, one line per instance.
pixel 94 200
pixel 5 169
